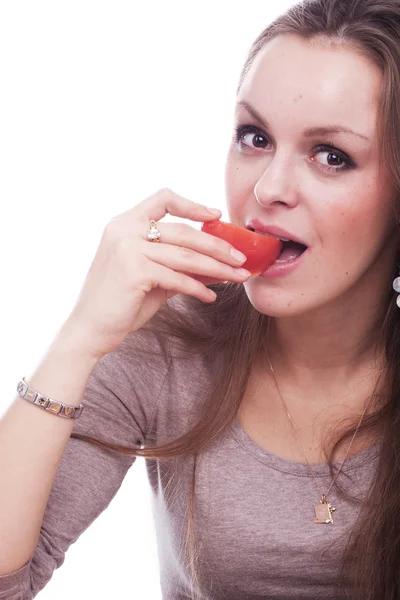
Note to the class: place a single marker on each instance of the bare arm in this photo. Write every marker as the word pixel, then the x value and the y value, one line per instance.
pixel 32 443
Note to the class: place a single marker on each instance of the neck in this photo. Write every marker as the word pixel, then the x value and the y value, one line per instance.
pixel 326 350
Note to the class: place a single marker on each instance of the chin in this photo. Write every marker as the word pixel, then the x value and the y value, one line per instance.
pixel 277 303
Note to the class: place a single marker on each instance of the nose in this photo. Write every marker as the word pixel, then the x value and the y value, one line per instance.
pixel 277 185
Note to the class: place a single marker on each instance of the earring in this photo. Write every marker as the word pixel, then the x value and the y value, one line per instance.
pixel 396 287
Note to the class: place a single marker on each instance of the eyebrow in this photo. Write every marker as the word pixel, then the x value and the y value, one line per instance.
pixel 308 133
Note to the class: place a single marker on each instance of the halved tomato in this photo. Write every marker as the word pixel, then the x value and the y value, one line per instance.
pixel 261 250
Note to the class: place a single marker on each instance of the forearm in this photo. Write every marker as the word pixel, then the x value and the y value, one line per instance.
pixel 32 442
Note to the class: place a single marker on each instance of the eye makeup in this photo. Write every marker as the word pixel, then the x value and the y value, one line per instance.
pixel 242 130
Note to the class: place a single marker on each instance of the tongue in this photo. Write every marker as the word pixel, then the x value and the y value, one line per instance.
pixel 291 250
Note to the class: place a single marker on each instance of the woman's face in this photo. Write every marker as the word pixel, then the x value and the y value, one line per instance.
pixel 328 189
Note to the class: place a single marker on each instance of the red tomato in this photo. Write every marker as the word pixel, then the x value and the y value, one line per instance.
pixel 261 250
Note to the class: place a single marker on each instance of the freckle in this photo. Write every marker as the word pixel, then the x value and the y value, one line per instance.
pixel 342 214
pixel 347 272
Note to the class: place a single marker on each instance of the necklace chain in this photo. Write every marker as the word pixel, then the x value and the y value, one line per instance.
pixel 298 441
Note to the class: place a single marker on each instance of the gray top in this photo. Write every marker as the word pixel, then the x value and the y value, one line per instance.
pixel 255 510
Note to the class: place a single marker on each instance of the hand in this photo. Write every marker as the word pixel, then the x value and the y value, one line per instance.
pixel 131 277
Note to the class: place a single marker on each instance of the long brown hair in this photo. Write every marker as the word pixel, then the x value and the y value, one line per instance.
pixel 371 560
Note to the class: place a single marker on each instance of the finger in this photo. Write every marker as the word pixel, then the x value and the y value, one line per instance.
pixel 207 280
pixel 175 282
pixel 185 236
pixel 165 201
pixel 183 259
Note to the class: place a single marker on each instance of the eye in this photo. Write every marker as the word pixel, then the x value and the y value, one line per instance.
pixel 335 156
pixel 257 139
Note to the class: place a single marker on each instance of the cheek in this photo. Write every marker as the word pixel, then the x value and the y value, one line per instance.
pixel 360 220
pixel 239 186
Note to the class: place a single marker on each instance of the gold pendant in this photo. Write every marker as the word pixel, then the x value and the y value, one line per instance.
pixel 323 511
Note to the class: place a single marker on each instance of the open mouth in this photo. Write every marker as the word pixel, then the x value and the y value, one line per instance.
pixel 290 250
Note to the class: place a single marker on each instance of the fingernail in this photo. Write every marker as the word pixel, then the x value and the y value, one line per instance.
pixel 243 272
pixel 238 255
pixel 213 211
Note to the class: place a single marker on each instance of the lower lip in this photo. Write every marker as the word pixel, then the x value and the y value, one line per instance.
pixel 284 268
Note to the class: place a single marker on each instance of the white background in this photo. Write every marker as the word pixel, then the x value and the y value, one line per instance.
pixel 102 104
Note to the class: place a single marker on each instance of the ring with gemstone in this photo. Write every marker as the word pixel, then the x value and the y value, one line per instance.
pixel 153 234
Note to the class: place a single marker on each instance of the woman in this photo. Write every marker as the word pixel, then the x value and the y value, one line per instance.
pixel 269 417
